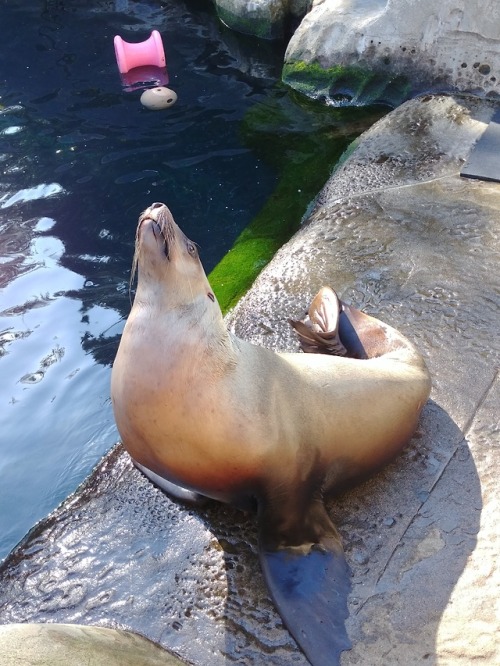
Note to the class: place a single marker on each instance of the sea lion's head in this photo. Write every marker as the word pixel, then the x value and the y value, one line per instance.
pixel 169 268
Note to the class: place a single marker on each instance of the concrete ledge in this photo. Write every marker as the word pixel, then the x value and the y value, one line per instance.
pixel 397 231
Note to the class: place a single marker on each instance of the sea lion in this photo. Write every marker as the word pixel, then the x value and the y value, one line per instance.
pixel 222 418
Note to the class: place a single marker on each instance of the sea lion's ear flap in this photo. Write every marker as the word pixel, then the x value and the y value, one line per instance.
pixel 310 591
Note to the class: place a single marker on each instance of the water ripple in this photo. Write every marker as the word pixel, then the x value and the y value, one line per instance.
pixel 136 176
pixel 198 159
pixel 42 191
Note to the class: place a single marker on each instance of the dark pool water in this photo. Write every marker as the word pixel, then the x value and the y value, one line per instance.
pixel 79 159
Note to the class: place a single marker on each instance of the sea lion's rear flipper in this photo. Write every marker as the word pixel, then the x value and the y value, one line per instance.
pixel 333 327
pixel 320 334
pixel 172 489
pixel 310 586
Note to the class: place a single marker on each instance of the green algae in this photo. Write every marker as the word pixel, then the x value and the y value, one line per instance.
pixel 347 84
pixel 303 140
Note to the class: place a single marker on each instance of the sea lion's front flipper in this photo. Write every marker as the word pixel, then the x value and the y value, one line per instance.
pixel 310 586
pixel 172 489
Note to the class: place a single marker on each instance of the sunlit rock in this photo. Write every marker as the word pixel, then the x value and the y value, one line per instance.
pixel 353 51
pixel 74 645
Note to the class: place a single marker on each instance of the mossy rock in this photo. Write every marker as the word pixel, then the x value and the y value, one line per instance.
pixel 347 85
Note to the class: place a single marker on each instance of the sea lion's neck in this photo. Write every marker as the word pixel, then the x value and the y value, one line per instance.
pixel 196 324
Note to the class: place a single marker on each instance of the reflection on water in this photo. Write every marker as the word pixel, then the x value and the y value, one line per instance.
pixel 79 159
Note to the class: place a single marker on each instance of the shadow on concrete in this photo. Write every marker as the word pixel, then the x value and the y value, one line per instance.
pixel 408 535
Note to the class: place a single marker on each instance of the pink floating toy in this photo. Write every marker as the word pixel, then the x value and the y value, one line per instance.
pixel 149 52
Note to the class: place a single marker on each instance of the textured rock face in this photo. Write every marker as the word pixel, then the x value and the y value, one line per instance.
pixel 362 51
pixel 399 233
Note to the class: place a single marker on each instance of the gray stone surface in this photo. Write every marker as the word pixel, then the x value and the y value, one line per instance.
pixel 388 50
pixel 73 645
pixel 398 232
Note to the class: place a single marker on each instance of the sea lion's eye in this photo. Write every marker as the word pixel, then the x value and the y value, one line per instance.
pixel 191 249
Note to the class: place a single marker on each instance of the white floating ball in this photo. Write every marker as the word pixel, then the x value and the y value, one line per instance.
pixel 158 98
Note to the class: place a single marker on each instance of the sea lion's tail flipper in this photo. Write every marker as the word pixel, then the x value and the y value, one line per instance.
pixel 310 586
pixel 310 592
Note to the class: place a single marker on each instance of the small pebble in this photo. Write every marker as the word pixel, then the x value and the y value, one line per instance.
pixel 158 98
pixel 389 521
pixel 360 557
pixel 423 495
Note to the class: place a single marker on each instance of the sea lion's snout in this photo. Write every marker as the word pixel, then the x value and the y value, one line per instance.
pixel 158 213
pixel 154 211
pixel 159 220
pixel 157 230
